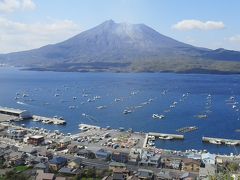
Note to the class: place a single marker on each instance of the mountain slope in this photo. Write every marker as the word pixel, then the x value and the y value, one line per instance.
pixel 110 45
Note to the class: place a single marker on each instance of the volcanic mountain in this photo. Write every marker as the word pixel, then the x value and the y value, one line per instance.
pixel 124 47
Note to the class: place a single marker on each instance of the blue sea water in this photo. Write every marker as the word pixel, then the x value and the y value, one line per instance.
pixel 133 89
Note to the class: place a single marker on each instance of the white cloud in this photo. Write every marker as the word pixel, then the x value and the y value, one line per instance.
pixel 17 36
pixel 9 6
pixel 28 5
pixel 234 39
pixel 200 25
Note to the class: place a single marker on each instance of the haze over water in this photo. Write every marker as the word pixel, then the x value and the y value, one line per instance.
pixel 67 94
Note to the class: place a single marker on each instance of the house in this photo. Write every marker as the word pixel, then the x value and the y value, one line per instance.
pixel 209 169
pixel 16 133
pixel 103 154
pixel 42 166
pixel 35 140
pixel 164 175
pixel 154 160
pixel 4 147
pixel 171 161
pixel 43 152
pixel 208 158
pixel 187 176
pixel 63 143
pixel 57 163
pixel 117 165
pixel 145 174
pixel 72 148
pixel 68 171
pixel 28 150
pixel 15 159
pixel 44 176
pixel 191 164
pixel 120 157
pixel 75 164
pixel 86 153
pixel 120 174
pixel 134 156
pixel 219 160
pixel 150 159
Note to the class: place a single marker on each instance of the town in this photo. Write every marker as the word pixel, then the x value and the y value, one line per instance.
pixel 100 153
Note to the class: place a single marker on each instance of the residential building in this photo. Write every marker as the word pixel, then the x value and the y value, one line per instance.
pixel 120 157
pixel 75 164
pixel 103 154
pixel 145 174
pixel 44 176
pixel 35 140
pixel 208 158
pixel 191 164
pixel 57 163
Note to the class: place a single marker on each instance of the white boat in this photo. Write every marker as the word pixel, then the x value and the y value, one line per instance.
pixel 165 137
pixel 101 107
pixel 151 143
pixel 46 121
pixel 215 142
pixel 175 102
pixel 90 100
pixel 97 97
pixel 157 116
pixel 201 116
pixel 71 107
pixel 56 95
pixel 127 111
pixel 172 106
pixel 117 99
pixel 36 119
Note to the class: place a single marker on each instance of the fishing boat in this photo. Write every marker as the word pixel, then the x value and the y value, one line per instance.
pixel 127 111
pixel 157 116
pixel 117 99
pixel 202 116
pixel 101 107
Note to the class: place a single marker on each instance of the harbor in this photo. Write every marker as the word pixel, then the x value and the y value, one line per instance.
pixel 11 114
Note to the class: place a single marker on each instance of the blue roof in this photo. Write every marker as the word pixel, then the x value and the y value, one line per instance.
pixel 58 160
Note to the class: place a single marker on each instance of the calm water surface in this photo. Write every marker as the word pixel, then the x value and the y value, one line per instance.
pixel 67 94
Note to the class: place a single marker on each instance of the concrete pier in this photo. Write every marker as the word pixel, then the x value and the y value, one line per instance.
pixel 166 136
pixel 48 120
pixel 221 141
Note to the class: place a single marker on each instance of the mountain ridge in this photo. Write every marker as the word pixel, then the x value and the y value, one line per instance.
pixel 119 47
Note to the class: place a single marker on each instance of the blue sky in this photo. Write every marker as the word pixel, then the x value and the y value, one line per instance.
pixel 27 24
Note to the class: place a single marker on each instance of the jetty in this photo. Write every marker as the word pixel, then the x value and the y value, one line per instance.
pixel 48 120
pixel 187 129
pixel 86 127
pixel 221 141
pixel 166 136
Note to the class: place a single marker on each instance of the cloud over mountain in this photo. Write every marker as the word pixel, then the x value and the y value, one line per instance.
pixel 9 6
pixel 192 24
pixel 17 36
